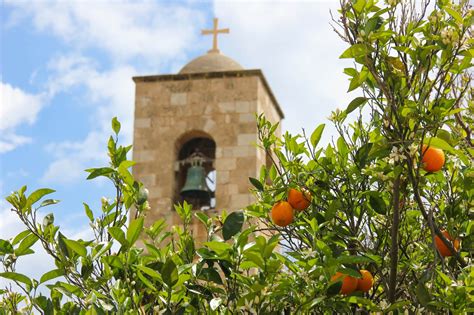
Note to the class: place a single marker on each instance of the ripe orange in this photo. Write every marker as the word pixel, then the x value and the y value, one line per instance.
pixel 443 249
pixel 299 200
pixel 349 284
pixel 282 213
pixel 433 158
pixel 366 282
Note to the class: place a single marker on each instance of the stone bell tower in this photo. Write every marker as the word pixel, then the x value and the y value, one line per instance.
pixel 195 134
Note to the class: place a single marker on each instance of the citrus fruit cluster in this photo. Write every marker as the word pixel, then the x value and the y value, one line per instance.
pixel 351 284
pixel 433 160
pixel 283 211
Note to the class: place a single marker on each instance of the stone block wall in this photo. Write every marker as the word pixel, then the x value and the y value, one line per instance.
pixel 172 108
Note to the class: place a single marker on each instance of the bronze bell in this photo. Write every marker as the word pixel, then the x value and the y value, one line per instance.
pixel 195 187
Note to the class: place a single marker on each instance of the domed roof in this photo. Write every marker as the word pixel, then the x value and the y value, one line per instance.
pixel 211 62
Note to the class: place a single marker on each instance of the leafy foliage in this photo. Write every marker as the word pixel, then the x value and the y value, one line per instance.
pixel 373 205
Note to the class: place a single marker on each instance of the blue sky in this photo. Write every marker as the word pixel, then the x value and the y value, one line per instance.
pixel 66 70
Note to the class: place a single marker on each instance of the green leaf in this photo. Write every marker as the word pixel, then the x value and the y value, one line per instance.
pixel 118 234
pixel 334 206
pixel 16 277
pixel 134 230
pixel 125 173
pixel 20 236
pixel 377 203
pixel 147 282
pixel 210 274
pixel 37 195
pixel 169 273
pixel 350 272
pixel 51 275
pixel 218 247
pixel 422 294
pixel 355 51
pixel 438 143
pixel 88 211
pixel 96 172
pixel 397 306
pixel 25 244
pixel 76 247
pixel 316 135
pixel 362 154
pixel 233 224
pixel 355 103
pixel 5 247
pixel 62 245
pixel 454 14
pixel 115 125
pixel 334 288
pixel 354 260
pixel 202 217
pixel 445 278
pixel 359 5
pixel 256 183
pixel 152 273
pixel 48 202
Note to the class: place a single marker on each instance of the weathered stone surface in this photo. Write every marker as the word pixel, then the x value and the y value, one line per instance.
pixel 143 123
pixel 178 98
pixel 176 107
pixel 247 139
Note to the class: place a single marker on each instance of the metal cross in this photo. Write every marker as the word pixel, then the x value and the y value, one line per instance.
pixel 214 33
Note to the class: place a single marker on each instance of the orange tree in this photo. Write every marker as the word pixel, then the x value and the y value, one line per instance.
pixel 383 218
pixel 394 190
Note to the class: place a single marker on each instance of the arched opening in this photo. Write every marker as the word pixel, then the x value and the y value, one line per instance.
pixel 195 174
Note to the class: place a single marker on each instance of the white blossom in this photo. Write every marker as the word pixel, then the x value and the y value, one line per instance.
pixel 395 156
pixel 449 36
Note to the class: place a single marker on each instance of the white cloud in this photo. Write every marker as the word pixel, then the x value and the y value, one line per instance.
pixel 151 34
pixel 123 29
pixel 108 93
pixel 295 46
pixel 10 141
pixel 17 107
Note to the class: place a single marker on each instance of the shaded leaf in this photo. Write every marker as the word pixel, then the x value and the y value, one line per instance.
pixel 233 224
pixel 334 288
pixel 169 273
pixel 378 204
pixel 256 183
